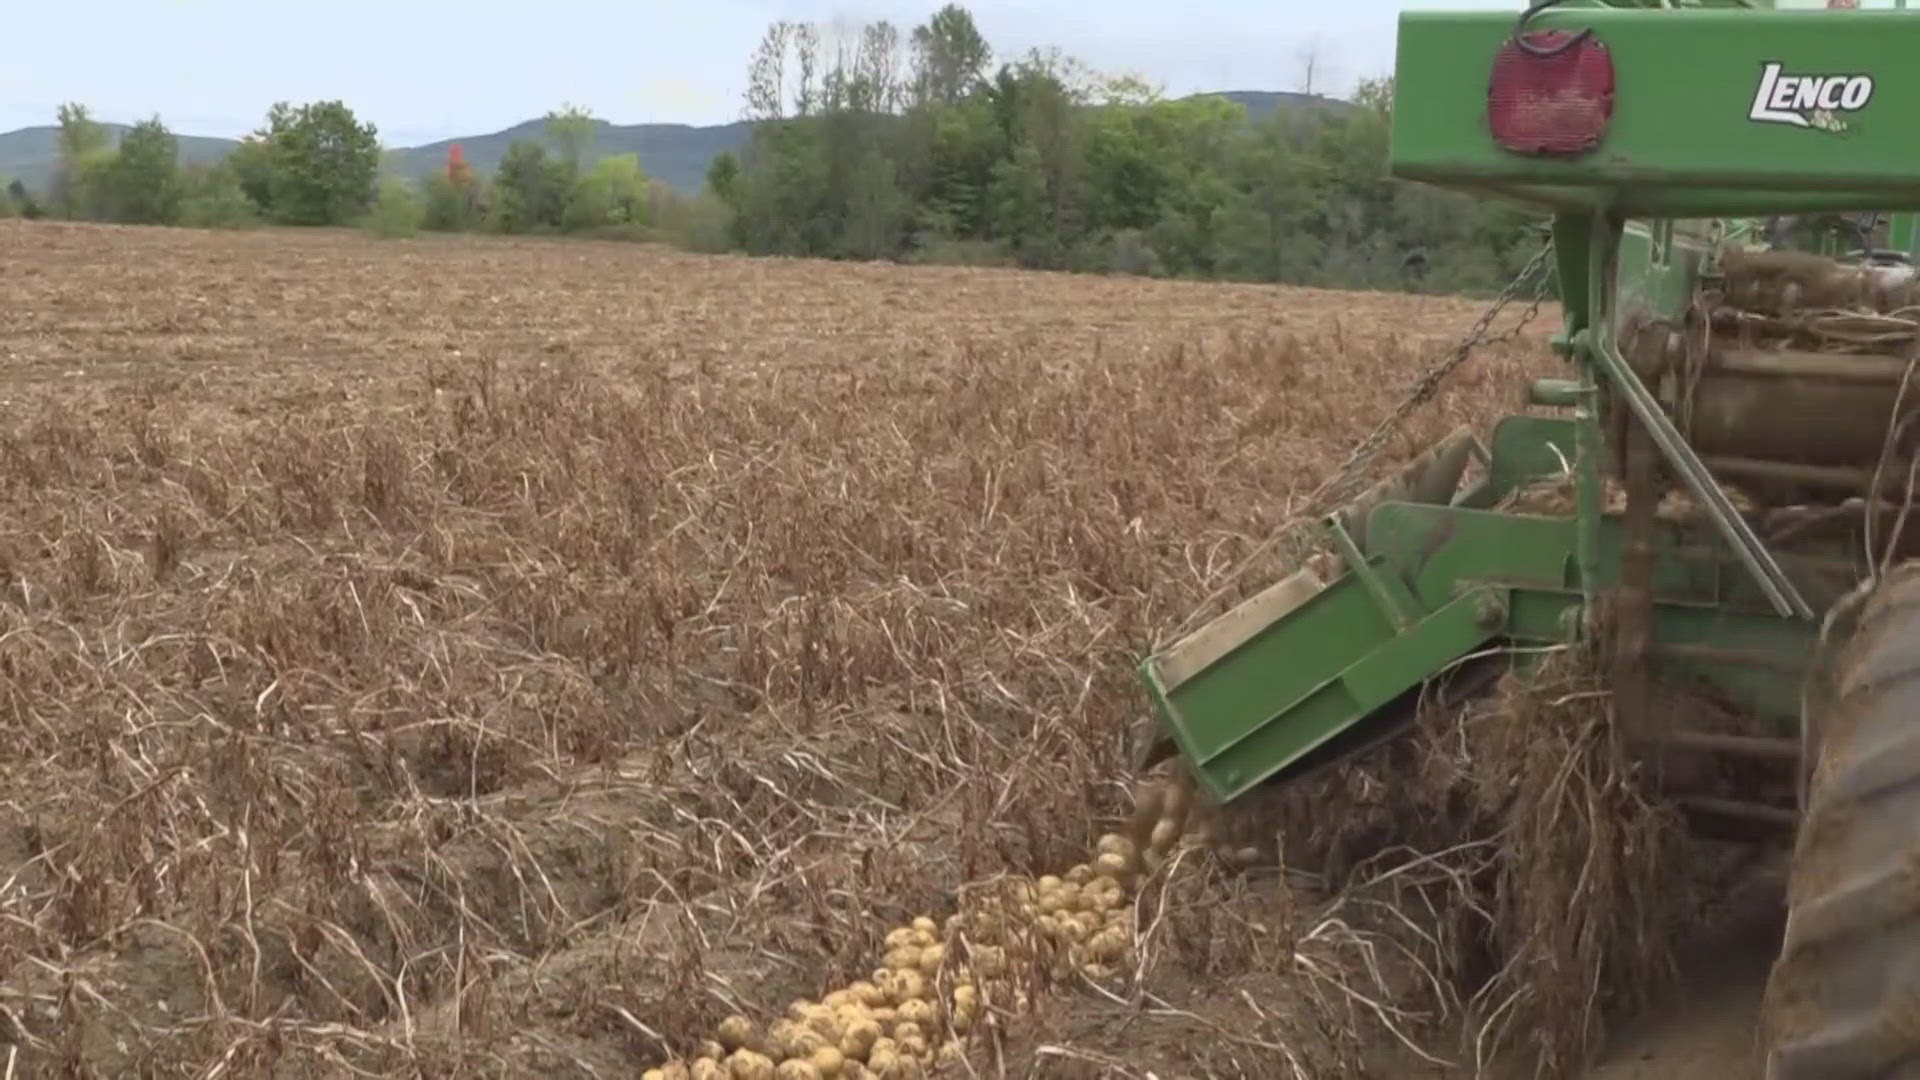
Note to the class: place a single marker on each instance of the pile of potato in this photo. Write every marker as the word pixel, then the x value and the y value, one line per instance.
pixel 937 984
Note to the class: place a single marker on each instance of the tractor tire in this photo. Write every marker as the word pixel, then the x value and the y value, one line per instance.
pixel 1843 1001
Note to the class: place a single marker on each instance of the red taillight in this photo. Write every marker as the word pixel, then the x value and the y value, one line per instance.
pixel 1554 103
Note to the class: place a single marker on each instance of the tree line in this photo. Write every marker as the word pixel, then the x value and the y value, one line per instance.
pixel 867 143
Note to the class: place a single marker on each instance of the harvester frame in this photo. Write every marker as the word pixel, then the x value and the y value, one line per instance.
pixel 1653 135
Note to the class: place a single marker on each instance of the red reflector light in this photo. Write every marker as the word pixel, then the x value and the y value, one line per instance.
pixel 1557 104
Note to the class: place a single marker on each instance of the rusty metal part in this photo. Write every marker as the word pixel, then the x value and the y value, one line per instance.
pixel 1804 411
pixel 1712 742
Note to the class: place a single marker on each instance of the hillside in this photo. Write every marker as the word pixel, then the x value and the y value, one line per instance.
pixel 675 153
pixel 28 153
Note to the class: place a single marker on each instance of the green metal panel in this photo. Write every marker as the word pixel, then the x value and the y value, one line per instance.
pixel 1308 678
pixel 1528 448
pixel 1682 142
pixel 1334 662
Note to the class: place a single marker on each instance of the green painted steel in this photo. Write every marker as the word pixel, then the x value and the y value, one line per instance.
pixel 1635 226
pixel 1683 140
pixel 1471 576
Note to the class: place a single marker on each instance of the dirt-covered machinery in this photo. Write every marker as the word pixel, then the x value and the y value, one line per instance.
pixel 1735 430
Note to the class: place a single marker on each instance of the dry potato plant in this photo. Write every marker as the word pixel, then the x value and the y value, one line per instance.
pixel 476 657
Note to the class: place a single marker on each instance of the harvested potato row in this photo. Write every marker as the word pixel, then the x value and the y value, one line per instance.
pixel 888 1027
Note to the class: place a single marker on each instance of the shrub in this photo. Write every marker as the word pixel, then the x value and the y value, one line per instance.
pixel 396 212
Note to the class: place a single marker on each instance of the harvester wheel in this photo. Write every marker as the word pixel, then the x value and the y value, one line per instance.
pixel 1844 997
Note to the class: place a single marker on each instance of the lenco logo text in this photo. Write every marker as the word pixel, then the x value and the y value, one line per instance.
pixel 1795 99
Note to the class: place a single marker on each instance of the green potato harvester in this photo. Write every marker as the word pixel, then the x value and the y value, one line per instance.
pixel 1731 189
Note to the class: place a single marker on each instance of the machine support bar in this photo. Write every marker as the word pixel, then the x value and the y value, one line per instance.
pixel 1394 600
pixel 1780 591
pixel 1597 342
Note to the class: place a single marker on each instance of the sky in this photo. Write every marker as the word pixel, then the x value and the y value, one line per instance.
pixel 424 70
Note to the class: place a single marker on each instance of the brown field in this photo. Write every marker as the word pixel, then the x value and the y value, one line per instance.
pixel 480 657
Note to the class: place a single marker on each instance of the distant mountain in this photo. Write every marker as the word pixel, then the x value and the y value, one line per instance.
pixel 29 153
pixel 1261 104
pixel 675 153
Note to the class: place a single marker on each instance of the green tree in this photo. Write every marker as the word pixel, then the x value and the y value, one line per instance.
pixel 573 130
pixel 612 193
pixel 212 197
pixel 950 57
pixel 723 177
pixel 142 180
pixel 530 190
pixel 23 202
pixel 321 163
pixel 83 155
pixel 396 211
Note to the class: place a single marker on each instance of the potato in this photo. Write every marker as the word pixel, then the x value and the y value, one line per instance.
pixel 931 958
pixel 780 1038
pixel 915 1012
pixel 827 1023
pixel 711 1049
pixel 1080 874
pixel 906 986
pixel 899 937
pixel 1165 835
pixel 867 994
pixel 1047 884
pixel 906 956
pixel 925 925
pixel 837 1000
pixel 707 1069
pixel 952 1052
pixel 806 1041
pixel 859 1039
pixel 829 1061
pixel 653 1074
pixel 1113 866
pixel 1115 844
pixel 1107 946
pixel 915 1048
pixel 882 1046
pixel 906 1030
pixel 883 1064
pixel 800 1009
pixel 903 1067
pixel 795 1069
pixel 747 1065
pixel 738 1032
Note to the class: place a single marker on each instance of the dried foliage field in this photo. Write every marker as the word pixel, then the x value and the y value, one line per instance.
pixel 485 657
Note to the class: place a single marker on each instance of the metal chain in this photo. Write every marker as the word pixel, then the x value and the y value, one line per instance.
pixel 1350 474
pixel 1336 490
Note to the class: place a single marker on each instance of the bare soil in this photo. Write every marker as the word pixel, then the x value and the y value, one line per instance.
pixel 479 657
